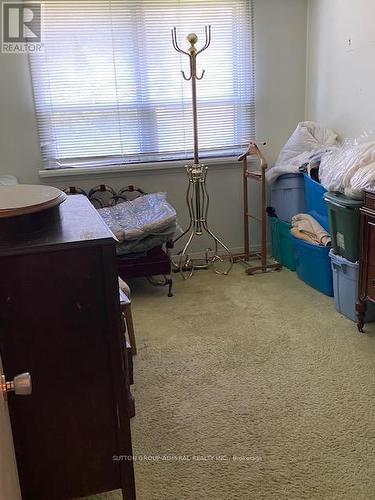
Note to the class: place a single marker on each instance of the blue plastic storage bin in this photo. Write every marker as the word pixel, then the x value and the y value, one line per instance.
pixel 345 287
pixel 288 196
pixel 282 245
pixel 315 203
pixel 313 265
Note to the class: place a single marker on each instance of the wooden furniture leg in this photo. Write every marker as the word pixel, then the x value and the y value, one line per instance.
pixel 126 310
pixel 130 326
pixel 264 221
pixel 131 379
pixel 129 357
pixel 361 307
pixel 246 211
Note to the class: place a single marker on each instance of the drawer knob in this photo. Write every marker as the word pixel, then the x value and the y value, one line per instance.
pixel 21 385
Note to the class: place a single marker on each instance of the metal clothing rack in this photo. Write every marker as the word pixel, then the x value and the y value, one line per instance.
pixel 260 177
pixel 156 264
pixel 197 197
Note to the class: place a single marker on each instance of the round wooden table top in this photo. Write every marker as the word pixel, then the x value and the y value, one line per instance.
pixel 23 199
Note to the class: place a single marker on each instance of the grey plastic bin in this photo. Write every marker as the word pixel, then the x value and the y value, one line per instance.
pixel 345 287
pixel 288 196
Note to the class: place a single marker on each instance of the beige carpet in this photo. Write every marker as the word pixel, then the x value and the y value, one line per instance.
pixel 259 368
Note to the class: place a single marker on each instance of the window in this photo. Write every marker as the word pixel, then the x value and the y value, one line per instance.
pixel 108 87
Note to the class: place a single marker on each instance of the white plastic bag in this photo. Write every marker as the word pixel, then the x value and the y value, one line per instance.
pixel 350 169
pixel 308 138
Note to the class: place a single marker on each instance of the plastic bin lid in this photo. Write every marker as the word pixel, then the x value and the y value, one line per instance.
pixel 289 176
pixel 338 259
pixel 342 200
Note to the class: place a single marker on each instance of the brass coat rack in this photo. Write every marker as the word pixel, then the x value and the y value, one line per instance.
pixel 197 197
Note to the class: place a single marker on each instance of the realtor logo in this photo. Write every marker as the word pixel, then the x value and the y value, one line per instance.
pixel 22 27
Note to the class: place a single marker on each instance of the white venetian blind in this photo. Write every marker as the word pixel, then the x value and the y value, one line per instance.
pixel 108 88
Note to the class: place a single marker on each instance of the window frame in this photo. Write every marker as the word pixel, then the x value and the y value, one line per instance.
pixel 161 158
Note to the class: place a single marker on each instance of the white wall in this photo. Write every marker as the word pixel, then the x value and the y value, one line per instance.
pixel 340 90
pixel 280 51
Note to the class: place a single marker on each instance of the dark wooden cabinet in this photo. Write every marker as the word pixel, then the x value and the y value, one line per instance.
pixel 60 321
pixel 367 258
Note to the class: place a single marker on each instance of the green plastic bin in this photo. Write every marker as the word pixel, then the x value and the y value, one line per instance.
pixel 282 244
pixel 343 216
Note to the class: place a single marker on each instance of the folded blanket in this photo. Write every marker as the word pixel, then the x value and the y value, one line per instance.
pixel 150 241
pixel 307 228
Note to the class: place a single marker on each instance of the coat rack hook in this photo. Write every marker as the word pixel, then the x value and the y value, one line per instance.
pixel 207 31
pixel 202 75
pixel 175 42
pixel 185 77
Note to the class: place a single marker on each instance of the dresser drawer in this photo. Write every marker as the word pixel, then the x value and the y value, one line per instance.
pixel 370 200
pixel 370 238
pixel 370 292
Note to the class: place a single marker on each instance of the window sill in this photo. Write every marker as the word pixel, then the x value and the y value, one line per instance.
pixel 156 167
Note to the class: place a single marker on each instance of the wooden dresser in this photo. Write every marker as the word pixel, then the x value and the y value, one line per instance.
pixel 367 257
pixel 60 321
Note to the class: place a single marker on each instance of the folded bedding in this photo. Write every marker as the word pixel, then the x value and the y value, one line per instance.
pixel 148 242
pixel 308 229
pixel 141 224
pixel 133 220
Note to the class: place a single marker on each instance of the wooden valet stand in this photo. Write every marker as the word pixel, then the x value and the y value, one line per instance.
pixel 259 176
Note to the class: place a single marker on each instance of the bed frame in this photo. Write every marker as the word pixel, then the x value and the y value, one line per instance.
pixel 156 265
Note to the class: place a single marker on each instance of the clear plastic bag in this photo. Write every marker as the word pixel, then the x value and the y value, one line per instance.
pixel 144 216
pixel 350 168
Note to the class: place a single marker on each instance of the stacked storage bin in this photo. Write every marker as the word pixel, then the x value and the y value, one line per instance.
pixel 313 263
pixel 315 203
pixel 344 225
pixel 287 200
pixel 282 247
pixel 288 196
pixel 344 218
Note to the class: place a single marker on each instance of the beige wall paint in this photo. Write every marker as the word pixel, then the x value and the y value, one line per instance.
pixel 340 90
pixel 281 51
